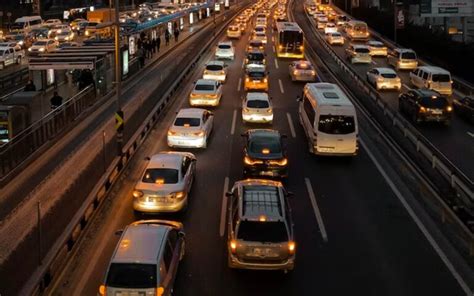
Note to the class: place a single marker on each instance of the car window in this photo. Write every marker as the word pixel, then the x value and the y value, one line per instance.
pixel 389 75
pixel 187 121
pixel 441 78
pixel 257 104
pixel 214 67
pixel 224 46
pixel 256 231
pixel 131 275
pixel 336 124
pixel 264 145
pixel 415 72
pixel 437 102
pixel 309 110
pixel 168 255
pixel 362 50
pixel 408 55
pixel 204 87
pixel 425 75
pixel 161 176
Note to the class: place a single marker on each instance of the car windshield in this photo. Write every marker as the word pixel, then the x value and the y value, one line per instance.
pixel 214 67
pixel 269 232
pixel 257 104
pixel 265 145
pixel 207 87
pixel 64 33
pixel 256 74
pixel 1 52
pixel 378 45
pixel 437 102
pixel 389 75
pixel 131 275
pixel 259 29
pixel 336 124
pixel 224 46
pixel 255 43
pixel 187 121
pixel 336 35
pixel 441 78
pixel 161 175
pixel 40 43
pixel 409 55
pixel 233 28
pixel 361 50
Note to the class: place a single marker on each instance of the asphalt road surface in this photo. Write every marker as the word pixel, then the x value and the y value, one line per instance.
pixel 367 245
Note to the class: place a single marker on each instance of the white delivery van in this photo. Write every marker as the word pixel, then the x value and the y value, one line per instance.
pixel 434 78
pixel 27 23
pixel 329 120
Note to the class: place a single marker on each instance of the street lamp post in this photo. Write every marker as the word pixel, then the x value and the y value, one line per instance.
pixel 118 77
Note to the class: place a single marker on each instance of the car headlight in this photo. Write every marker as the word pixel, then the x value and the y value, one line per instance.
pixel 177 195
pixel 281 162
pixel 137 193
pixel 29 49
pixel 171 133
pixel 449 108
pixel 41 49
pixel 56 38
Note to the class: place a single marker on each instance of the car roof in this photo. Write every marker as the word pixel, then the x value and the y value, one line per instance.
pixel 359 46
pixel 166 160
pixel 206 81
pixel 225 43
pixel 140 243
pixel 263 132
pixel 434 69
pixel 404 49
pixel 261 199
pixel 191 112
pixel 374 42
pixel 384 70
pixel 261 96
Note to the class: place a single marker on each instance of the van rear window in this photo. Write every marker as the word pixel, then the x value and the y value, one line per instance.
pixel 268 232
pixel 438 102
pixel 336 124
pixel 131 275
pixel 408 55
pixel 441 78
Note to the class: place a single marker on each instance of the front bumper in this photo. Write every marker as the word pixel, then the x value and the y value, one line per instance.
pixel 389 85
pixel 287 264
pixel 223 56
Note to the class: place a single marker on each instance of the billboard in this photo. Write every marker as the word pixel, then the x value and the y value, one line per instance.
pixel 446 8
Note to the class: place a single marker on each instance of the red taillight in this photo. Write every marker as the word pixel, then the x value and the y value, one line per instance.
pixel 291 247
pixel 102 290
pixel 233 246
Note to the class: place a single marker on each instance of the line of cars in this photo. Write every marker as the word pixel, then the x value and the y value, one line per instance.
pixel 260 228
pixel 428 101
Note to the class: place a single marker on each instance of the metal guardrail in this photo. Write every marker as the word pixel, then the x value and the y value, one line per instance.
pixel 62 250
pixel 459 84
pixel 14 79
pixel 458 181
pixel 36 135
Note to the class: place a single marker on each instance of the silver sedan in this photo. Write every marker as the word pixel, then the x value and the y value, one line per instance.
pixel 302 71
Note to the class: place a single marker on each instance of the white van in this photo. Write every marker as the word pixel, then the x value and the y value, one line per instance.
pixel 10 56
pixel 435 78
pixel 329 120
pixel 27 23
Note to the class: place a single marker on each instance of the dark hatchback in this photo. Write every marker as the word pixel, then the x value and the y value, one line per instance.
pixel 264 154
pixel 423 105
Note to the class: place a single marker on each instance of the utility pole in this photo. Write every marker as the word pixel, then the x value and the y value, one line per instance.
pixel 118 81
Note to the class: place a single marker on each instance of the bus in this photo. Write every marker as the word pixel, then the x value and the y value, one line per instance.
pixel 289 40
pixel 357 30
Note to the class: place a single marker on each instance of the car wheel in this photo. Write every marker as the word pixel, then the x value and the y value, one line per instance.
pixel 18 60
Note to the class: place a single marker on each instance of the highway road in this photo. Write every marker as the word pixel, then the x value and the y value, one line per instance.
pixel 455 141
pixel 367 243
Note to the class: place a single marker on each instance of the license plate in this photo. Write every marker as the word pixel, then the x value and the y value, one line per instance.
pixel 437 112
pixel 264 173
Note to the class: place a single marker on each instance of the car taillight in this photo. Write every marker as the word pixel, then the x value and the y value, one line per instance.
pixel 269 111
pixel 449 108
pixel 171 133
pixel 247 79
pixel 422 109
pixel 199 134
pixel 246 110
pixel 137 193
pixel 233 246
pixel 102 290
pixel 291 247
pixel 265 80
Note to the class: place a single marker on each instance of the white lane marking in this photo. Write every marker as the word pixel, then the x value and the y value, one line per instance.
pixel 418 223
pixel 224 207
pixel 243 63
pixel 276 63
pixel 234 118
pixel 406 86
pixel 317 213
pixel 281 86
pixel 273 38
pixel 290 123
pixel 273 49
pixel 239 84
pixel 470 134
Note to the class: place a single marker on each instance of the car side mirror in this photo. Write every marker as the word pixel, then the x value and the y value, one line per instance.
pixel 119 232
pixel 290 194
pixel 298 99
pixel 148 158
pixel 228 193
pixel 181 234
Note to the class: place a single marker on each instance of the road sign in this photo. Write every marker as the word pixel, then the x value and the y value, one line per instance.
pixel 119 121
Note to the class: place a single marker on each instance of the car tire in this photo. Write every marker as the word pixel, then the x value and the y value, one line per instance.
pixel 18 60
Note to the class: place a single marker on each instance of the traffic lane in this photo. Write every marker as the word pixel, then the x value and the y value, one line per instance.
pixel 441 137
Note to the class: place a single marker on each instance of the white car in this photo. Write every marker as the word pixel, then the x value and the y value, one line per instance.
pixel 259 28
pixel 165 184
pixel 10 56
pixel 58 29
pixel 52 22
pixel 64 36
pixel 257 108
pixel 260 36
pixel 377 48
pixel 357 53
pixel 335 38
pixel 225 50
pixel 330 28
pixel 215 70
pixel 321 22
pixel 191 128
pixel 42 46
pixel 11 44
pixel 206 92
pixel 234 31
pixel 384 78
pixel 302 71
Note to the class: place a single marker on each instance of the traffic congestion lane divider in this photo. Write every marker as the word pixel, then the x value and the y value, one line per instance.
pixel 317 212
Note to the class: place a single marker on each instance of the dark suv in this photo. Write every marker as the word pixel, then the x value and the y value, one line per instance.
pixel 264 154
pixel 425 105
